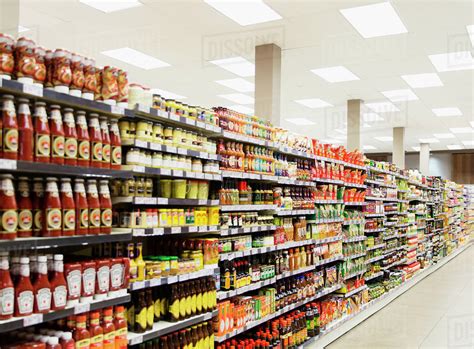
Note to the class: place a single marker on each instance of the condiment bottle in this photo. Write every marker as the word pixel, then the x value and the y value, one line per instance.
pixel 42 287
pixel 109 329
pixel 8 208
pixel 140 313
pixel 42 133
pixel 81 334
pixel 102 285
pixel 52 209
pixel 96 140
pixel 57 135
pixel 70 137
pixel 105 207
pixel 24 298
pixel 82 207
pixel 140 262
pixel 94 207
pixel 96 331
pixel 9 129
pixel 120 324
pixel 116 145
pixel 150 313
pixel 25 208
pixel 58 284
pixel 88 281
pixel 77 69
pixel 67 342
pixel 73 275
pixel 6 290
pixel 25 131
pixel 68 208
pixel 106 150
pixel 38 203
pixel 83 140
pixel 53 343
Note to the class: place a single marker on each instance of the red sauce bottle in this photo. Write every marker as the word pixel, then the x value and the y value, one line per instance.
pixel 70 138
pixel 24 298
pixel 38 204
pixel 6 289
pixel 116 145
pixel 8 208
pixel 105 208
pixel 109 329
pixel 25 131
pixel 52 209
pixel 53 343
pixel 67 342
pixel 57 135
pixel 68 208
pixel 102 284
pixel 96 331
pixel 120 323
pixel 94 207
pixel 81 334
pixel 82 207
pixel 83 140
pixel 104 132
pixel 42 288
pixel 58 284
pixel 88 280
pixel 25 208
pixel 42 134
pixel 73 275
pixel 9 128
pixel 96 140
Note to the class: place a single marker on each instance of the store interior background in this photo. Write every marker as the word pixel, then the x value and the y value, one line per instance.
pixel 188 35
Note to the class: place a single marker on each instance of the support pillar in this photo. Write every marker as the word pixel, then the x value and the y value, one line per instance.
pixel 268 82
pixel 425 158
pixel 9 17
pixel 398 152
pixel 353 124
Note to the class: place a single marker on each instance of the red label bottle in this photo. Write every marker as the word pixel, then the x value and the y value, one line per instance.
pixel 58 284
pixel 42 288
pixel 7 292
pixel 120 323
pixel 9 129
pixel 81 334
pixel 73 275
pixel 116 145
pixel 105 208
pixel 25 208
pixel 24 298
pixel 42 134
pixel 8 208
pixel 38 204
pixel 68 208
pixel 96 141
pixel 52 209
pixel 83 140
pixel 104 132
pixel 25 131
pixel 57 135
pixel 94 207
pixel 88 279
pixel 109 329
pixel 102 284
pixel 96 331
pixel 70 138
pixel 82 208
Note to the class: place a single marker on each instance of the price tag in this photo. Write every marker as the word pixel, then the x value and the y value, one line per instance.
pixel 208 127
pixel 162 201
pixel 172 279
pixel 178 173
pixel 202 228
pixel 33 90
pixel 200 175
pixel 182 151
pixel 174 117
pixel 138 232
pixel 141 144
pixel 193 229
pixel 139 169
pixel 136 340
pixel 32 320
pixel 171 149
pixel 191 175
pixel 143 108
pixel 200 124
pixel 137 285
pixel 155 282
pixel 190 121
pixel 82 308
pixel 7 164
pixel 202 202
pixel 155 146
pixel 158 231
pixel 117 110
pixel 162 114
pixel 165 171
pixel 183 277
pixel 203 155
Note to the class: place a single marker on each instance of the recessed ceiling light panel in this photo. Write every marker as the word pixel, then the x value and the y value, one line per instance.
pixel 454 147
pixel 444 135
pixel 462 130
pixel 237 65
pixel 447 111
pixel 400 95
pixel 453 61
pixel 384 138
pixel 335 74
pixel 135 58
pixel 108 6
pixel 428 140
pixel 368 147
pixel 238 84
pixel 382 107
pixel 245 12
pixel 313 103
pixel 423 80
pixel 300 121
pixel 238 98
pixel 22 29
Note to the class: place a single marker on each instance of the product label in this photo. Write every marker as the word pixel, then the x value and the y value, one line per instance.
pixel 84 218
pixel 84 150
pixel 116 155
pixel 103 278
pixel 106 153
pixel 10 140
pixel 140 318
pixel 175 309
pixel 96 151
pixel 88 280
pixel 121 332
pixel 106 217
pixel 83 344
pixel 109 337
pixel 53 218
pixel 199 302
pixel 69 219
pixel 9 221
pixel 25 220
pixel 43 299
pixel 96 341
pixel 58 147
pixel 157 308
pixel 70 148
pixel 73 280
pixel 94 218
pixel 7 301
pixel 150 315
pixel 116 275
pixel 43 146
pixel 60 296
pixel 25 302
pixel 37 219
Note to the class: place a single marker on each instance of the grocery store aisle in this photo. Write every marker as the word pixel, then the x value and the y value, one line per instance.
pixel 436 313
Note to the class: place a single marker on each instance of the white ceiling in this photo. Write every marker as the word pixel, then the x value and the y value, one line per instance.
pixel 188 34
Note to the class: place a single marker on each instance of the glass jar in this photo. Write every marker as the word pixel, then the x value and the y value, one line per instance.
pixel 174 162
pixel 196 165
pixel 132 157
pixel 166 161
pixel 157 160
pixel 177 134
pixel 168 135
pixel 158 133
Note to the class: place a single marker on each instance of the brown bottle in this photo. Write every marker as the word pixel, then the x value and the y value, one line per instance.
pixel 164 343
pixel 174 304
pixel 175 340
pixel 189 338
pixel 197 286
pixel 188 292
pixel 141 314
pixel 194 337
pixel 192 290
pixel 205 300
pixel 150 313
pixel 183 341
pixel 201 336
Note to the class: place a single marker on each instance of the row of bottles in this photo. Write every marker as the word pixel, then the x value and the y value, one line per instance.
pixel 240 157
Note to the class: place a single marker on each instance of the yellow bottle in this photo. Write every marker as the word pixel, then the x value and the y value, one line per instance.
pixel 133 264
pixel 140 263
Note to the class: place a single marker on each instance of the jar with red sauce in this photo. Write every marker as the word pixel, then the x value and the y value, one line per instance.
pixel 8 208
pixel 105 207
pixel 25 208
pixel 9 129
pixel 115 145
pixel 110 89
pixel 38 204
pixel 122 81
pixel 25 61
pixel 104 132
pixel 96 140
pixel 25 131
pixel 58 284
pixel 7 60
pixel 70 137
pixel 94 207
pixel 62 74
pixel 42 133
pixel 77 82
pixel 52 225
pixel 83 140
pixel 57 135
pixel 82 207
pixel 98 87
pixel 40 66
pixel 49 63
pixel 73 275
pixel 68 208
pixel 90 81
pixel 24 297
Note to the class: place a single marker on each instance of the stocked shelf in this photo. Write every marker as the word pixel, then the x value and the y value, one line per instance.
pixel 243 230
pixel 174 230
pixel 354 221
pixel 327 220
pixel 353 292
pixel 374 247
pixel 374 215
pixel 281 212
pixel 373 276
pixel 374 230
pixel 166 172
pixel 381 184
pixel 374 259
pixel 329 181
pixel 355 185
pixel 355 203
pixel 357 273
pixel 354 238
pixel 328 202
pixel 239 208
pixel 356 255
pixel 157 201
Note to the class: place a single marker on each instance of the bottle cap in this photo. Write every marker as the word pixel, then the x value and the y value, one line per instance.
pixel 53 340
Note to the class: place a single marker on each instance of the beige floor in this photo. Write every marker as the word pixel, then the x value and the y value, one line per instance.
pixel 436 313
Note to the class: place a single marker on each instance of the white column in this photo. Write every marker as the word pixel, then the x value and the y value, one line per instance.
pixel 398 152
pixel 268 82
pixel 9 17
pixel 353 124
pixel 425 158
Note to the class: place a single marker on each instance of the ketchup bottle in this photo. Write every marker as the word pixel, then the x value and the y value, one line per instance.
pixel 94 207
pixel 53 343
pixel 105 208
pixel 57 135
pixel 25 208
pixel 116 145
pixel 109 329
pixel 84 146
pixel 9 129
pixel 42 288
pixel 6 289
pixel 70 138
pixel 96 331
pixel 8 208
pixel 38 202
pixel 104 132
pixel 42 134
pixel 25 128
pixel 96 140
pixel 82 207
pixel 67 342
pixel 24 298
pixel 68 208
pixel 81 334
pixel 120 324
pixel 58 284
pixel 52 207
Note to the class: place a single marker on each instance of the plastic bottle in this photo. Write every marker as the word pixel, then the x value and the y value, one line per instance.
pixel 53 343
pixel 70 138
pixel 6 289
pixel 58 284
pixel 67 342
pixel 24 297
pixel 120 323
pixel 42 134
pixel 109 329
pixel 25 131
pixel 52 225
pixel 96 331
pixel 42 288
pixel 57 135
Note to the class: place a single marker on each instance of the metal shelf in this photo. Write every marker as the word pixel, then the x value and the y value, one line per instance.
pixel 354 256
pixel 374 247
pixel 354 203
pixel 350 276
pixel 238 208
pixel 236 231
pixel 354 239
pixel 158 201
pixel 166 172
pixel 174 230
pixel 373 276
pixel 281 212
pixel 353 292
pixel 355 185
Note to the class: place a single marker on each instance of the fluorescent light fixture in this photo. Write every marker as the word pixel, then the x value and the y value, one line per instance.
pixel 468 143
pixel 341 130
pixel 444 135
pixel 313 103
pixel 448 111
pixel 300 121
pixel 366 125
pixel 335 74
pixel 382 107
pixel 246 12
pixel 22 29
pixel 167 94
pixel 237 84
pixel 400 95
pixel 238 98
pixel 452 61
pixel 368 147
pixel 416 148
pixel 371 117
pixel 135 58
pixel 454 146
pixel 108 6
pixel 462 130
pixel 428 140
pixel 470 31
pixel 332 141
pixel 423 80
pixel 384 138
pixel 242 109
pixel 237 65
pixel 375 20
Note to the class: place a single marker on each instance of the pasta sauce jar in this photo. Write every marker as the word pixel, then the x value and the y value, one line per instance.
pixel 7 61
pixel 25 62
